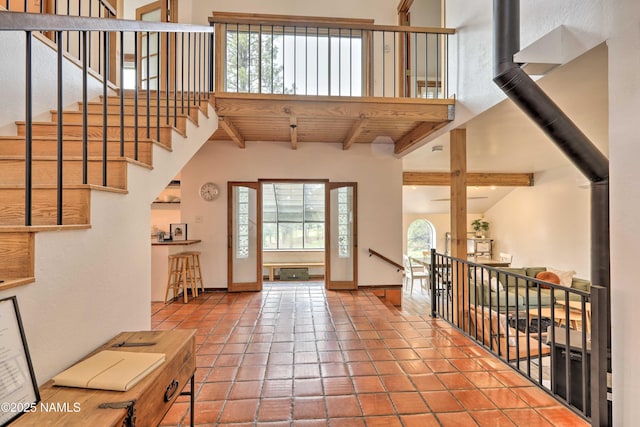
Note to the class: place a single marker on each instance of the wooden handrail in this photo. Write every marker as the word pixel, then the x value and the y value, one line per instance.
pixel 319 22
pixel 384 258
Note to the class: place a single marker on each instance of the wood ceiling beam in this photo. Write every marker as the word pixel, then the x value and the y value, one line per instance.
pixel 473 179
pixel 332 107
pixel 353 134
pixel 231 130
pixel 293 125
pixel 414 136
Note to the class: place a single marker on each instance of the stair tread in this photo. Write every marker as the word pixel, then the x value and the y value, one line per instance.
pixel 12 283
pixel 39 228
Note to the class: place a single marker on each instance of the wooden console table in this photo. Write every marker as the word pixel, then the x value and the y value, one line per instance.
pixel 143 405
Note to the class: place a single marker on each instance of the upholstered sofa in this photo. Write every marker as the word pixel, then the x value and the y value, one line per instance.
pixel 506 292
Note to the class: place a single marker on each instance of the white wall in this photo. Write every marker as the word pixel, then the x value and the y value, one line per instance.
pixel 375 169
pixel 383 11
pixel 624 102
pixel 12 102
pixel 471 49
pixel 547 224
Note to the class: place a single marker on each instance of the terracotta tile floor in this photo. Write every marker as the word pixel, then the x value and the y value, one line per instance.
pixel 297 355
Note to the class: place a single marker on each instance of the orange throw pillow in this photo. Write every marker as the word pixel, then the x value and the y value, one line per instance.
pixel 548 276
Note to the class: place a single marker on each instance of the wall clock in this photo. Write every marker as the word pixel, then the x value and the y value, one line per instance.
pixel 209 191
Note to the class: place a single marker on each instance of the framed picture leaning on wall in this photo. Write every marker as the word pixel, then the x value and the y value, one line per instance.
pixel 18 387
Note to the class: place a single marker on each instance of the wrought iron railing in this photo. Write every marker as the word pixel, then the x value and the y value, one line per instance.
pixel 321 59
pixel 72 42
pixel 168 82
pixel 554 335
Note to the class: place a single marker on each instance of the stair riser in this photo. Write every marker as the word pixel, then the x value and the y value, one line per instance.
pixel 74 149
pixel 142 111
pixel 114 120
pixel 45 172
pixel 16 255
pixel 76 206
pixel 113 132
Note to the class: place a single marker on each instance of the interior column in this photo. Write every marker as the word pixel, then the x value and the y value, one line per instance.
pixel 458 167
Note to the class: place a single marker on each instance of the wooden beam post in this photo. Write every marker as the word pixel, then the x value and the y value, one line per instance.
pixel 356 129
pixel 293 125
pixel 231 130
pixel 458 159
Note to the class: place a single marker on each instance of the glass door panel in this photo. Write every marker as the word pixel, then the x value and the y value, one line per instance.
pixel 244 237
pixel 342 237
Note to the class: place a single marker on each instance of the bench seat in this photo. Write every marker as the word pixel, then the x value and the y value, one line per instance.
pixel 301 264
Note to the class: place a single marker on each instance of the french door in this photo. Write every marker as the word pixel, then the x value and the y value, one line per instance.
pixel 341 241
pixel 244 240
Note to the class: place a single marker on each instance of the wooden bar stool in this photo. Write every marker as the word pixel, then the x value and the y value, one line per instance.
pixel 195 273
pixel 178 276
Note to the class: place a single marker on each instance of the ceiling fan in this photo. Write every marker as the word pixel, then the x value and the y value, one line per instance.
pixel 468 198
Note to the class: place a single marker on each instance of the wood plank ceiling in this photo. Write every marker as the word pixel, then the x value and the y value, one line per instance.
pixel 344 120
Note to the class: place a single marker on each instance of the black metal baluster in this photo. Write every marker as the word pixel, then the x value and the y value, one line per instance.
pixel 28 134
pixel 340 62
pixel 437 95
pixel 306 61
pixel 384 65
pixel 260 58
pixel 445 89
pixel 414 68
pixel 85 113
pixel 68 33
pixel 168 76
pixel 182 75
pixel 136 35
pixel 249 59
pixel 105 108
pixel 189 74
pixel 121 93
pixel 329 50
pixel 395 78
pixel 148 94
pixel 175 81
pixel 200 65
pixel 158 78
pixel 350 61
pixel 100 36
pixel 426 65
pixel 60 133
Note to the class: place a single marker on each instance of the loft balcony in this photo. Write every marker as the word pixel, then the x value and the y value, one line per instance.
pixel 306 79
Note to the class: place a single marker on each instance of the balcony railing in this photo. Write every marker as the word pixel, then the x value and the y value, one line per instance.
pixel 268 55
pixel 554 335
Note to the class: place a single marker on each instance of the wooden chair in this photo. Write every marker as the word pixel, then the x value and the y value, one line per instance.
pixel 501 338
pixel 412 273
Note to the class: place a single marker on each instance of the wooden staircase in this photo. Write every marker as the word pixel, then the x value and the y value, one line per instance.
pixel 17 241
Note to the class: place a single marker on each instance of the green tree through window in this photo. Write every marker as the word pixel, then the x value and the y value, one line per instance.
pixel 421 236
pixel 253 62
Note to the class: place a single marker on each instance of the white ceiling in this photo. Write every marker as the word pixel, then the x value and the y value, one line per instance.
pixel 503 139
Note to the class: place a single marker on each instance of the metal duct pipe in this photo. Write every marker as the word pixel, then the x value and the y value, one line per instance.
pixel 525 93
